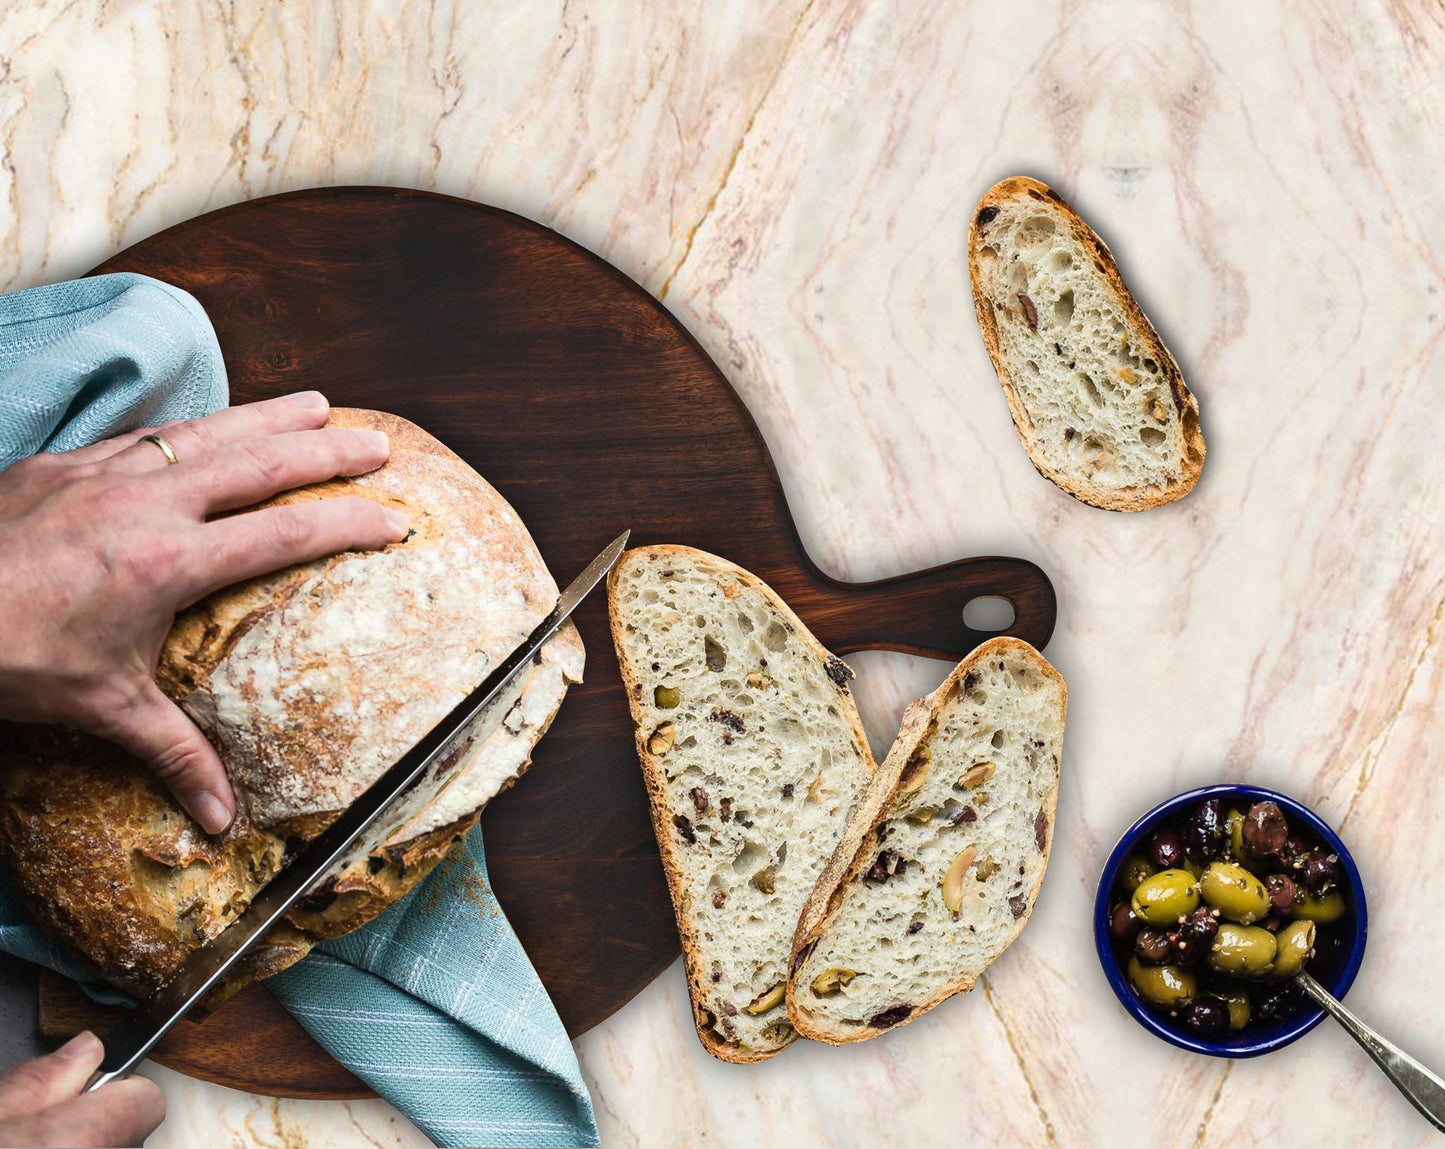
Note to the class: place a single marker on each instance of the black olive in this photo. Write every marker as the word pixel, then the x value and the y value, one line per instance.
pixel 1124 924
pixel 1152 945
pixel 1278 1001
pixel 1207 1014
pixel 1281 892
pixel 1265 831
pixel 1204 833
pixel 1166 849
pixel 1295 851
pixel 1321 870
pixel 1191 941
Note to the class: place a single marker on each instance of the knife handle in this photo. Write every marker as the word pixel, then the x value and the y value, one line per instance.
pixel 126 1046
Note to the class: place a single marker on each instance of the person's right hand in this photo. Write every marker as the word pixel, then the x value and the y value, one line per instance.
pixel 103 545
pixel 41 1102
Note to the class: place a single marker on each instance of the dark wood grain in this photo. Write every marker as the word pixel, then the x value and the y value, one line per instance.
pixel 591 409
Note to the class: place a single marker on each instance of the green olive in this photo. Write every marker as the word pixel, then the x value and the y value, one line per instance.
pixel 1234 892
pixel 1134 870
pixel 1193 867
pixel 1320 908
pixel 1238 1002
pixel 666 697
pixel 1166 986
pixel 1244 951
pixel 1234 824
pixel 1163 898
pixel 1294 945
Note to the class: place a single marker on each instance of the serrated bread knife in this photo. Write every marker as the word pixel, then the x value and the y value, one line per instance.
pixel 136 1035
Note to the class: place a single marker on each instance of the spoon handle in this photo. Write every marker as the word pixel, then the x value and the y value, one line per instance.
pixel 1422 1089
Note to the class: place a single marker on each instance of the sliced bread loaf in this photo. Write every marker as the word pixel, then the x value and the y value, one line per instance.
pixel 754 759
pixel 310 682
pixel 1096 397
pixel 939 868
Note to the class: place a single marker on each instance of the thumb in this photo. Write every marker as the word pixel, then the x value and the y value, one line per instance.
pixel 157 731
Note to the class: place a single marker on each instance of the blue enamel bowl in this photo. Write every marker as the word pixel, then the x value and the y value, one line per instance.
pixel 1339 950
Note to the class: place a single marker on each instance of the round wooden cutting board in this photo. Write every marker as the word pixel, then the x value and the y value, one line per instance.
pixel 591 409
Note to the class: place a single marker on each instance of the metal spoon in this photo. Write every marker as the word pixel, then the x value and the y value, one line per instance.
pixel 1421 1088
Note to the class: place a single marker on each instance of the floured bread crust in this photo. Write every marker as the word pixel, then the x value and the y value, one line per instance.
pixel 310 682
pixel 339 646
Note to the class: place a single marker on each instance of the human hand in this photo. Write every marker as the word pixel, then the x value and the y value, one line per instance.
pixel 103 545
pixel 41 1102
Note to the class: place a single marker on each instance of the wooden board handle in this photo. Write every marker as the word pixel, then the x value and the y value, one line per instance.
pixel 922 613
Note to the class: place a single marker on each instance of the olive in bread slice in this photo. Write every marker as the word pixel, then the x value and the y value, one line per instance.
pixel 1096 397
pixel 754 759
pixel 938 871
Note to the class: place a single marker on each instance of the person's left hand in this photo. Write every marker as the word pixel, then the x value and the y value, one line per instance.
pixel 41 1102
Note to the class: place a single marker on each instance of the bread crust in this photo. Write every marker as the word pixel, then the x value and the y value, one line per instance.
pixel 256 665
pixel 107 861
pixel 860 842
pixel 652 777
pixel 1017 188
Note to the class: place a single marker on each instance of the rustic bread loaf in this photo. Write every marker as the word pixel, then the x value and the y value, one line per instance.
pixel 309 682
pixel 1096 397
pixel 939 869
pixel 754 758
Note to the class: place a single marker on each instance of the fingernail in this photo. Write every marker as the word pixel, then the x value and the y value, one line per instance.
pixel 308 399
pixel 79 1045
pixel 399 522
pixel 209 811
pixel 376 440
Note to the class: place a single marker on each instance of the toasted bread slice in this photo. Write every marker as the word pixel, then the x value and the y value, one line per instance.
pixel 1096 397
pixel 939 869
pixel 754 759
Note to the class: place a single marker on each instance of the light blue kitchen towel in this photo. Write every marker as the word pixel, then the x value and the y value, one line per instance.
pixel 85 360
pixel 433 1004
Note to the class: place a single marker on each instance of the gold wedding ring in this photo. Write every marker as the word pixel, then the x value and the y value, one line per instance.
pixel 166 449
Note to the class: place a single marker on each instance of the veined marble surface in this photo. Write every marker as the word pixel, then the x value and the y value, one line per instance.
pixel 794 181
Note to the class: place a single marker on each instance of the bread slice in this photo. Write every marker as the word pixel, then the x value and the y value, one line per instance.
pixel 754 759
pixel 962 807
pixel 1096 397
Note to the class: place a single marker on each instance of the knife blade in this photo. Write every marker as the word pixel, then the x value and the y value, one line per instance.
pixel 136 1035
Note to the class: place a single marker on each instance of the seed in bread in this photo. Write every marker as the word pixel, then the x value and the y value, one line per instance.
pixel 1096 397
pixel 939 869
pixel 754 758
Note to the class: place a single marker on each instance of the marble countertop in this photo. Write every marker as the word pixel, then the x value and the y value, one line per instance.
pixel 794 181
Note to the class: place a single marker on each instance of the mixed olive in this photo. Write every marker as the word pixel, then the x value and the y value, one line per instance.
pixel 1218 913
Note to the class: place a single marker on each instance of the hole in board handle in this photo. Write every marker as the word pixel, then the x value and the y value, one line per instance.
pixel 988 613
